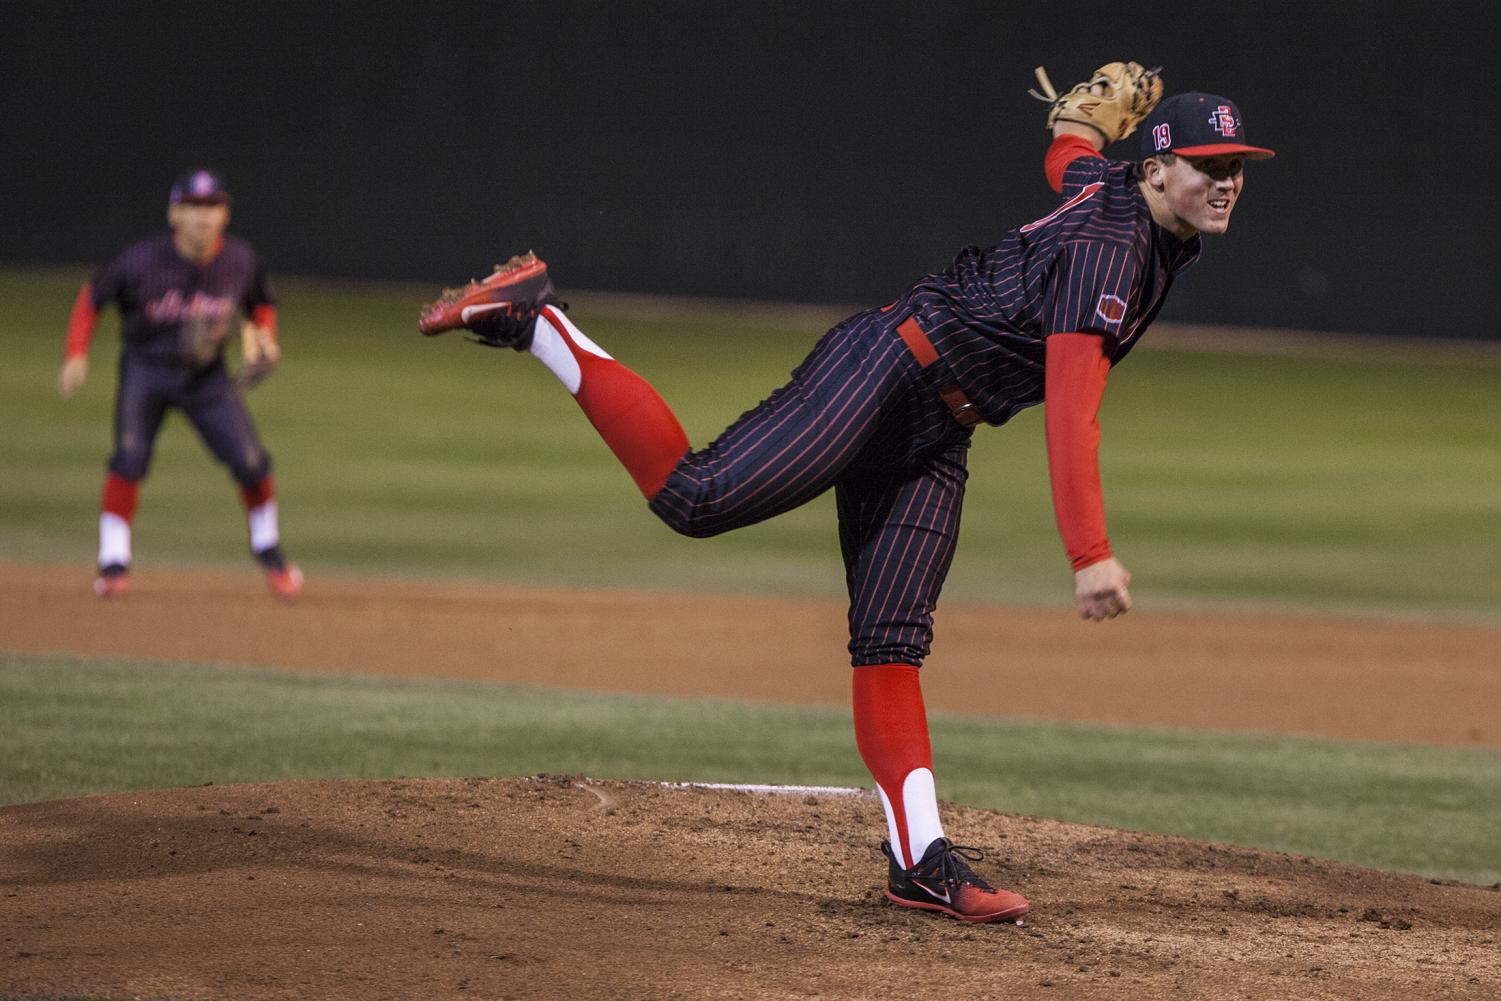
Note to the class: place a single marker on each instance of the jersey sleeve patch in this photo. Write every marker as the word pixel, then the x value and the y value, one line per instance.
pixel 1111 308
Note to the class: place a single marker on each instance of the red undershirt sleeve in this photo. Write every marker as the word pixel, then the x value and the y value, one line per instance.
pixel 1064 151
pixel 81 322
pixel 1076 373
pixel 264 315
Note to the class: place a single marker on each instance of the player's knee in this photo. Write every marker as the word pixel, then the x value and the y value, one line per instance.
pixel 688 514
pixel 251 468
pixel 130 463
pixel 876 649
pixel 689 523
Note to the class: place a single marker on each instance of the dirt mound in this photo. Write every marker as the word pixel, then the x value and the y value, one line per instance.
pixel 552 887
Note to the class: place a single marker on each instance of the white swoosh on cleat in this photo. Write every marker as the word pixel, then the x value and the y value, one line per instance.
pixel 944 896
pixel 468 312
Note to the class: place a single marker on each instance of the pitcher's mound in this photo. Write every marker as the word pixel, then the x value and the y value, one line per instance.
pixel 569 888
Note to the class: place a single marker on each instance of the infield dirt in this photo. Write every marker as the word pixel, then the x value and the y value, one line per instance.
pixel 557 887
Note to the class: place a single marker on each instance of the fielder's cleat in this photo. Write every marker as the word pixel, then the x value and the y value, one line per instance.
pixel 282 576
pixel 113 581
pixel 500 310
pixel 943 882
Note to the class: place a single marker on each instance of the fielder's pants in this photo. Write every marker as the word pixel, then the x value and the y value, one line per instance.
pixel 208 397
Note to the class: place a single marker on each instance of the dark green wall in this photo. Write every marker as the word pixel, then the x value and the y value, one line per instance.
pixel 815 151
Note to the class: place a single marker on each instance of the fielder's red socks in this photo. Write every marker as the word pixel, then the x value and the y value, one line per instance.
pixel 891 729
pixel 260 513
pixel 627 412
pixel 117 507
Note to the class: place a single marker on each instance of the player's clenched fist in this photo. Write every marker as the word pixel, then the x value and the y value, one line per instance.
pixel 1100 590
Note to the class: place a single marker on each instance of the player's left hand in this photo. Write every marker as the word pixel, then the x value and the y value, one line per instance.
pixel 72 376
pixel 259 354
pixel 1100 590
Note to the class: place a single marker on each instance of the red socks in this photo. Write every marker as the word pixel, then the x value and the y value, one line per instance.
pixel 891 729
pixel 120 497
pixel 628 413
pixel 259 494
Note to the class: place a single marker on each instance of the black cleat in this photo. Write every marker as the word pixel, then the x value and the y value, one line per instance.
pixel 943 881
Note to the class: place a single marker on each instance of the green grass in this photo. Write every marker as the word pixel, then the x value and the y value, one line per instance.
pixel 1326 484
pixel 70 727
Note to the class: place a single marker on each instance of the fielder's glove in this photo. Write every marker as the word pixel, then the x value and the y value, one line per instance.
pixel 259 354
pixel 1130 92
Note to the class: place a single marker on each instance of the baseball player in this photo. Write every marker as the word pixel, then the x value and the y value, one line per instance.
pixel 179 293
pixel 883 408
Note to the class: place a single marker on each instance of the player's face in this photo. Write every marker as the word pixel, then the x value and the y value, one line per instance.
pixel 197 227
pixel 1202 190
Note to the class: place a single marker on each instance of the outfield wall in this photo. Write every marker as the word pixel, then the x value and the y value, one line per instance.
pixel 810 152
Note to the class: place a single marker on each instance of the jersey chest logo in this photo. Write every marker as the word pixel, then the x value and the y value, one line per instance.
pixel 174 307
pixel 1084 194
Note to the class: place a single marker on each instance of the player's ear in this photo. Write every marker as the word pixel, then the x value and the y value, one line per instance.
pixel 1153 171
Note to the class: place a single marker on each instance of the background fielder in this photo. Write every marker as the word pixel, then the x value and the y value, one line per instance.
pixel 179 293
pixel 883 408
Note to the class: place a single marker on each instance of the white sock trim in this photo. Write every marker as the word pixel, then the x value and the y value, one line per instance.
pixel 893 835
pixel 114 540
pixel 921 803
pixel 578 336
pixel 264 532
pixel 549 347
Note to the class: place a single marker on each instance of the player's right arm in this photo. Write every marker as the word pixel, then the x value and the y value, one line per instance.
pixel 105 287
pixel 1076 372
pixel 1082 318
pixel 75 368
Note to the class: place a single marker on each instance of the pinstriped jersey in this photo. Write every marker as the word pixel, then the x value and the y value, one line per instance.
pixel 176 310
pixel 1096 264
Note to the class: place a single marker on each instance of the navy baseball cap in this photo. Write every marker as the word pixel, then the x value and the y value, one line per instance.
pixel 200 187
pixel 1196 124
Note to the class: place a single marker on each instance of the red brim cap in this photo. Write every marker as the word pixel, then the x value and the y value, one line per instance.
pixel 1221 149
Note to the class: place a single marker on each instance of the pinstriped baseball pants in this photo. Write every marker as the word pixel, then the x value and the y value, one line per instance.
pixel 858 415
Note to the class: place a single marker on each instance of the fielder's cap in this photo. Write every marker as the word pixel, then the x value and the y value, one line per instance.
pixel 200 187
pixel 1196 124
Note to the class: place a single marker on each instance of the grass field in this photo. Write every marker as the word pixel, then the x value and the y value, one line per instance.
pixel 1326 484
pixel 1363 485
pixel 72 728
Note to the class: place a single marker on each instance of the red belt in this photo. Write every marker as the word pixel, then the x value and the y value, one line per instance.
pixel 965 412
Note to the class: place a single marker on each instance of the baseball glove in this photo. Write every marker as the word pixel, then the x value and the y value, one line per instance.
pixel 1126 94
pixel 259 354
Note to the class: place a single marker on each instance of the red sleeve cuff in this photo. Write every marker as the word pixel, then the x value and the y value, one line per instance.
pixel 1064 151
pixel 81 322
pixel 265 316
pixel 1076 372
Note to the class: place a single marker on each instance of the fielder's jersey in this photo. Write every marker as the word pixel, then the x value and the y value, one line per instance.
pixel 1097 264
pixel 174 310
